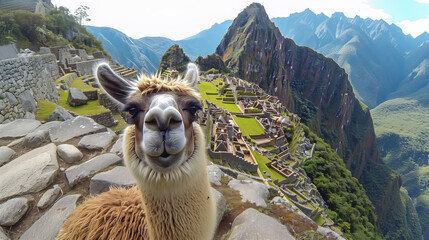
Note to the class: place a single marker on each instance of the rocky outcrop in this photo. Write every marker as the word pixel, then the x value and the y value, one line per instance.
pixel 173 58
pixel 211 61
pixel 252 225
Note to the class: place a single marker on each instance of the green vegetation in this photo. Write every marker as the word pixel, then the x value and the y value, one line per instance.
pixel 248 126
pixel 206 87
pixel 58 28
pixel 254 110
pixel 401 128
pixel 349 205
pixel 44 109
pixel 121 122
pixel 175 58
pixel 213 63
pixel 79 84
pixel 262 160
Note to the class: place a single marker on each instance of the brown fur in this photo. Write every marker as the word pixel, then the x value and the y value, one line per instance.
pixel 155 84
pixel 116 214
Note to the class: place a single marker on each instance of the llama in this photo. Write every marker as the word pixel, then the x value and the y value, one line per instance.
pixel 164 150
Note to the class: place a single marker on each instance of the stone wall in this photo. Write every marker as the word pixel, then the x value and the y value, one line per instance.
pixel 24 81
pixel 234 160
pixel 86 67
pixel 105 119
pixel 108 102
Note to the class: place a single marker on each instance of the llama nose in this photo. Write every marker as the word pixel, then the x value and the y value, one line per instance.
pixel 163 119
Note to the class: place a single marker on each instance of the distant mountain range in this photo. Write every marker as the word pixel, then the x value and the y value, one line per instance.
pixel 380 59
pixel 144 54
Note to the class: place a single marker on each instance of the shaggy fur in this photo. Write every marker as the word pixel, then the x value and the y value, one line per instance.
pixel 116 214
pixel 174 204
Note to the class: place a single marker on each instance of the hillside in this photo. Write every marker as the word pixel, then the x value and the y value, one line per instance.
pixel 318 90
pixel 401 128
pixel 57 28
pixel 145 53
pixel 372 52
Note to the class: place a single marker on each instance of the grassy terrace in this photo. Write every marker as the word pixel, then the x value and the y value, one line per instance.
pixel 262 160
pixel 248 126
pixel 206 87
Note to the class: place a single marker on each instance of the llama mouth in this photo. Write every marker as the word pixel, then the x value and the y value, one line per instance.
pixel 165 154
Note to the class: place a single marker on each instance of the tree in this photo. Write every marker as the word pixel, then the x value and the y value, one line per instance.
pixel 81 15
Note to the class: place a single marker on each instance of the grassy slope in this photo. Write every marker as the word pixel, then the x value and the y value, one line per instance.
pixel 401 126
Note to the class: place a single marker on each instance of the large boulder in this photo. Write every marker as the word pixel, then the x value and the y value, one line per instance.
pixel 12 210
pixel 18 128
pixel 97 141
pixel 27 101
pixel 69 153
pixel 117 177
pixel 36 138
pixel 5 155
pixel 48 226
pixel 59 114
pixel 29 173
pixel 76 97
pixel 220 205
pixel 253 225
pixel 74 127
pixel 251 191
pixel 215 174
pixel 75 174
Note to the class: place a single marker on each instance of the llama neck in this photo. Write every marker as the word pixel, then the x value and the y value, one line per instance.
pixel 186 215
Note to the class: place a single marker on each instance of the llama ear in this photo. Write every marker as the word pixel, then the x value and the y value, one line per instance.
pixel 114 85
pixel 192 74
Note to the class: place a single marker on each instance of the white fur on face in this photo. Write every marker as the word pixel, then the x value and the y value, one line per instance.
pixel 164 138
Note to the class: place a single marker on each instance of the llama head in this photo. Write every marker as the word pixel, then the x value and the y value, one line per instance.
pixel 162 138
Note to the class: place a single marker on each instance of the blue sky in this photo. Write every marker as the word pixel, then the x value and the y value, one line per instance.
pixel 401 10
pixel 180 19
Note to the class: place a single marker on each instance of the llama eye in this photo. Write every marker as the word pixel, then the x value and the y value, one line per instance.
pixel 193 109
pixel 133 111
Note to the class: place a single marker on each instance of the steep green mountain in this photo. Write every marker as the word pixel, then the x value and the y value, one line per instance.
pixel 318 90
pixel 145 53
pixel 372 52
pixel 212 61
pixel 174 58
pixel 57 28
pixel 402 134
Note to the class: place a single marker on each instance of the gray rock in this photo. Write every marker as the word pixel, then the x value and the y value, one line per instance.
pixel 220 205
pixel 76 97
pixel 2 105
pixel 59 114
pixel 117 147
pixel 47 126
pixel 74 127
pixel 251 191
pixel 18 128
pixel 253 225
pixel 12 210
pixel 215 174
pixel 36 138
pixel 49 197
pixel 69 153
pixel 48 226
pixel 5 155
pixel 96 141
pixel 11 98
pixel 29 173
pixel 76 173
pixel 330 234
pixel 29 115
pixel 117 177
pixel 3 235
pixel 27 101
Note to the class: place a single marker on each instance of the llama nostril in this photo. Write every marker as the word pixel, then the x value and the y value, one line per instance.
pixel 163 134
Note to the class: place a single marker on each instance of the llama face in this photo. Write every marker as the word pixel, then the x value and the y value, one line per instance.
pixel 162 113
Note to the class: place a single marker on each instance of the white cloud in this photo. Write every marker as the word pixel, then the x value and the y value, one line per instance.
pixel 422 1
pixel 414 28
pixel 180 19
